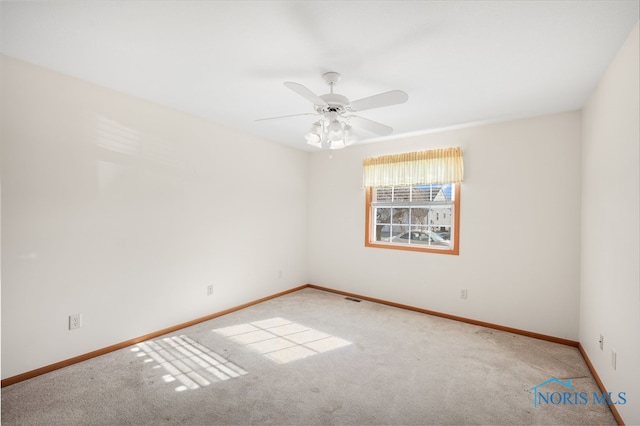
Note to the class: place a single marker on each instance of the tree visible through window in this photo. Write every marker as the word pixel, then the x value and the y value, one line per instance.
pixel 416 217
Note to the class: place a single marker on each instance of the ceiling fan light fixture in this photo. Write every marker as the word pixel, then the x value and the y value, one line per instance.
pixel 339 144
pixel 314 137
pixel 345 139
pixel 316 128
pixel 313 140
pixel 335 136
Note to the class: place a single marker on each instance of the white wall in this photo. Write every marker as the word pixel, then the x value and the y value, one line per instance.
pixel 610 288
pixel 125 211
pixel 519 236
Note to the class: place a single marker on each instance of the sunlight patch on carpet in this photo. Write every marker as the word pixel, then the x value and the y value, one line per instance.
pixel 281 340
pixel 188 363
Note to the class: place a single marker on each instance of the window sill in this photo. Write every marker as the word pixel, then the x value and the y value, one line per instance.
pixel 453 251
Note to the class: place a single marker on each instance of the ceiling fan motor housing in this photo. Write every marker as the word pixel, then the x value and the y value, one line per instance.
pixel 335 103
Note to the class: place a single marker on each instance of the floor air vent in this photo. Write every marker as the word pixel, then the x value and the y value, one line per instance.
pixel 352 299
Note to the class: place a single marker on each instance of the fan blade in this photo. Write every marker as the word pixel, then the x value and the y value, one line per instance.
pixel 286 116
pixel 370 125
pixel 305 93
pixel 392 97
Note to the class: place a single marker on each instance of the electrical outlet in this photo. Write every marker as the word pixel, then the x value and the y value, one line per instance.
pixel 601 341
pixel 210 290
pixel 279 273
pixel 75 321
pixel 463 293
pixel 614 355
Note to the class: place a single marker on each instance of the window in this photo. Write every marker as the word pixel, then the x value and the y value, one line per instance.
pixel 416 217
pixel 413 201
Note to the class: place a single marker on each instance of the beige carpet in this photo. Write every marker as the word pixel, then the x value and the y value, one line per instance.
pixel 313 357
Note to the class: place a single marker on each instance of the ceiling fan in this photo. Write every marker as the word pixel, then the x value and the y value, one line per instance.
pixel 333 130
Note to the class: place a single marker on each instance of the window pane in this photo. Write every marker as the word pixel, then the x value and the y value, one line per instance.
pixel 383 215
pixel 420 193
pixel 382 224
pixel 383 194
pixel 447 192
pixel 382 232
pixel 403 237
pixel 419 216
pixel 421 236
pixel 397 231
pixel 436 193
pixel 441 216
pixel 401 193
pixel 400 215
pixel 444 232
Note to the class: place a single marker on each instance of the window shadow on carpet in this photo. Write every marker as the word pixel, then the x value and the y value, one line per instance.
pixel 281 340
pixel 187 362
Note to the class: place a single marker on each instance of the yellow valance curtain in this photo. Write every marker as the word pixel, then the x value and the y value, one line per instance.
pixel 413 168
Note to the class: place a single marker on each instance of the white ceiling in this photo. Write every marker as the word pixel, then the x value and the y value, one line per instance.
pixel 461 62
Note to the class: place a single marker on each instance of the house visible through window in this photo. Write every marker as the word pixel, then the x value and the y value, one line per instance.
pixel 408 205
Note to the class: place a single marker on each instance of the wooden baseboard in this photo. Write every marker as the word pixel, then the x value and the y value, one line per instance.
pixel 452 317
pixel 612 407
pixel 48 368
